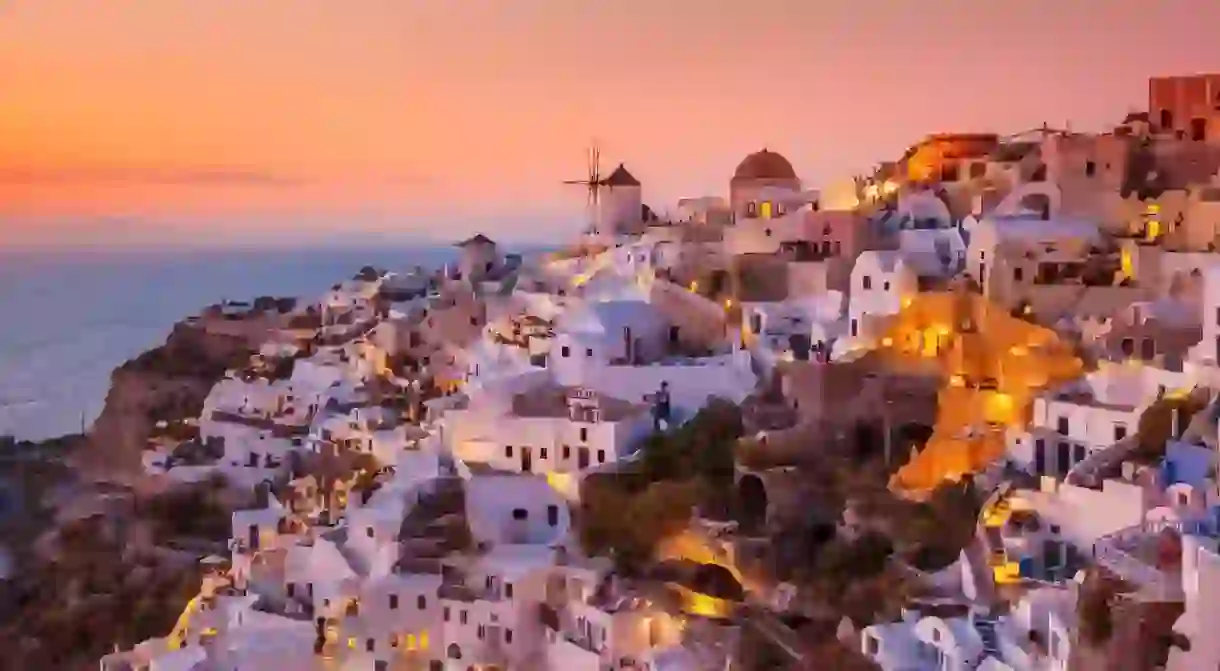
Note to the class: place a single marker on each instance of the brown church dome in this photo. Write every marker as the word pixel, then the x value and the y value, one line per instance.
pixel 764 164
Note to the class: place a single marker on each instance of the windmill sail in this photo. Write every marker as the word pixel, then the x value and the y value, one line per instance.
pixel 593 183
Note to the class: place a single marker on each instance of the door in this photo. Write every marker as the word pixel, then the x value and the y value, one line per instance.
pixel 1065 459
pixel 1040 457
pixel 628 344
pixel 252 534
pixel 582 460
pixel 1198 129
pixel 527 460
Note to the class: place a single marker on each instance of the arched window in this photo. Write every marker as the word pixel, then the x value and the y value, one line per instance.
pixel 454 652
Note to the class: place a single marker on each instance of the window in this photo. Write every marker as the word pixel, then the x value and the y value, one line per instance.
pixel 751 209
pixel 520 514
pixel 1128 346
pixel 508 590
pixel 542 453
pixel 1063 426
pixel 978 169
pixel 601 456
pixel 445 613
pixel 462 617
pixel 855 331
pixel 393 602
pixel 1120 432
pixel 1078 453
pixel 565 351
pixel 1198 129
pixel 866 282
pixel 508 635
pixel 508 451
pixel 474 321
pixel 767 232
pixel 1018 274
pixel 482 632
pixel 567 451
pixel 290 589
pixel 421 602
pixel 1147 349
pixel 1090 168
pixel 369 645
pixel 588 352
pixel 368 531
pixel 552 515
pixel 886 285
pixel 309 589
pixel 584 435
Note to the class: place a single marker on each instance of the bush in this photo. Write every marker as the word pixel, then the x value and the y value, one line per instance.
pixel 1156 424
pixel 701 448
pixel 628 525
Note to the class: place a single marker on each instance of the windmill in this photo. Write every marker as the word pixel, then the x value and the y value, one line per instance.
pixel 593 183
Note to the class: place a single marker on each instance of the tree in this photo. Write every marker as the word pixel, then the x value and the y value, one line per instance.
pixel 628 525
pixel 1095 608
pixel 702 447
pixel 1156 425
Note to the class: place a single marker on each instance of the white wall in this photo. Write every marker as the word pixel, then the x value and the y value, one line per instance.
pixel 515 510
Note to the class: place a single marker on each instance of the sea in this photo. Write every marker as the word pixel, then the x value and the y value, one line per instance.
pixel 68 318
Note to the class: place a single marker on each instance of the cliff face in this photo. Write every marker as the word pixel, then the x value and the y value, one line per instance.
pixel 165 383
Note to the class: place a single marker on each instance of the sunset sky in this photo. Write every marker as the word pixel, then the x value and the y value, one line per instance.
pixel 268 121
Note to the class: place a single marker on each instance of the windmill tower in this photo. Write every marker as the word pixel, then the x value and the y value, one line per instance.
pixel 593 183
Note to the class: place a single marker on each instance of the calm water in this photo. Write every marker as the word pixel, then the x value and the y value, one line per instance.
pixel 67 319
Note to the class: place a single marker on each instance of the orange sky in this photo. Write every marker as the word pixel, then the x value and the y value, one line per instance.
pixel 222 120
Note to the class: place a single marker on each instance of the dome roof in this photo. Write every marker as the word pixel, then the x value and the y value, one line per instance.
pixel 764 164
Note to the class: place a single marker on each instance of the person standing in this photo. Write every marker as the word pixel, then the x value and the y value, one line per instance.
pixel 661 407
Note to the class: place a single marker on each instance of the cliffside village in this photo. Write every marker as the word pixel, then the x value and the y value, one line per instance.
pixel 1043 310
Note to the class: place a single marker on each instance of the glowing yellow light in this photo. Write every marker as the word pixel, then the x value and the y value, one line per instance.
pixel 1127 265
pixel 887 342
pixel 1018 350
pixel 694 286
pixel 906 302
pixel 423 640
pixel 890 187
pixel 210 631
pixel 410 641
pixel 957 381
pixel 1027 309
pixel 728 303
pixel 941 330
pixel 1154 229
pixel 351 642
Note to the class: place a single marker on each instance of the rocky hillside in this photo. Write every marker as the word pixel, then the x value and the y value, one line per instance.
pixel 165 383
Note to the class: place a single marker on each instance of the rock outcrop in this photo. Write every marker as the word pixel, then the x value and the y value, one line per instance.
pixel 165 383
